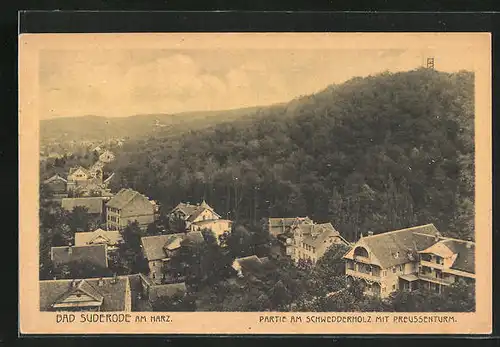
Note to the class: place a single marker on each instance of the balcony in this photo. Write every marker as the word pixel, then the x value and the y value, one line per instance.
pixel 429 277
pixel 362 259
pixel 362 275
pixel 431 264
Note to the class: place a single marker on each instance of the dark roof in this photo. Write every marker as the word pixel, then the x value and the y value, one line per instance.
pixel 465 260
pixel 123 197
pixel 400 246
pixel 166 290
pixel 154 246
pixel 95 254
pixel 320 236
pixel 114 295
pixel 93 204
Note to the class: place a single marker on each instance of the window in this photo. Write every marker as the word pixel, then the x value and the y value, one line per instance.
pixel 383 289
pixel 314 250
pixel 394 269
pixel 384 273
pixel 401 267
pixel 393 287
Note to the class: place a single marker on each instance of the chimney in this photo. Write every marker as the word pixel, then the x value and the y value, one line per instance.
pixel 100 282
pixel 115 278
pixel 70 250
pixel 370 233
pixel 73 283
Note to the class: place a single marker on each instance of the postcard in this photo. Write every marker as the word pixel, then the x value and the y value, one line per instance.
pixel 255 183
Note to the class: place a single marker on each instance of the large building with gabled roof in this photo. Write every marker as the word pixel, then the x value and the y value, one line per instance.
pixel 409 258
pixel 129 206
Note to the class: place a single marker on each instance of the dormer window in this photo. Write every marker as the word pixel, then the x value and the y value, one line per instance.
pixel 361 252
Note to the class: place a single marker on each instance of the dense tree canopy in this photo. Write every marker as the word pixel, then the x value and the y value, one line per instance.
pixel 374 153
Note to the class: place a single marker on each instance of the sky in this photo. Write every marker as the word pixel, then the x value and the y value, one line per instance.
pixel 127 82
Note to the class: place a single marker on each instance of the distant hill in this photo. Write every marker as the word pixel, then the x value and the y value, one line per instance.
pixel 98 128
pixel 376 153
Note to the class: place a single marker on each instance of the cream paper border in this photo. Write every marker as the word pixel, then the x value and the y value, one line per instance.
pixel 34 322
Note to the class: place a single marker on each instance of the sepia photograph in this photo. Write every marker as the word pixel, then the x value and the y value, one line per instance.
pixel 258 173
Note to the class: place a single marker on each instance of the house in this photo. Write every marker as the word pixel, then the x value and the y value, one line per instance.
pixel 444 263
pixel 92 254
pixel 94 205
pixel 106 157
pixel 310 241
pixel 57 185
pixel 99 237
pixel 278 226
pixel 390 261
pixel 201 217
pixel 158 250
pixel 128 206
pixel 78 173
pixel 250 265
pixel 193 214
pixel 91 294
pixel 80 177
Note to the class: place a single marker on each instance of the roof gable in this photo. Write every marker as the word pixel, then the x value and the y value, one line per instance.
pixel 98 236
pixel 83 294
pixel 56 177
pixel 124 197
pixel 115 293
pixel 439 249
pixel 399 246
pixel 191 212
pixel 320 237
pixel 154 246
pixel 78 170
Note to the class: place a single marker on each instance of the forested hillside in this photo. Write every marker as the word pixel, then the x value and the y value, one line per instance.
pixel 375 153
